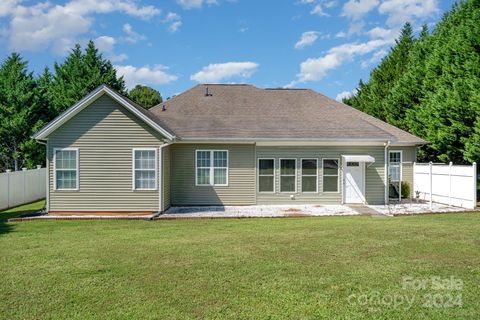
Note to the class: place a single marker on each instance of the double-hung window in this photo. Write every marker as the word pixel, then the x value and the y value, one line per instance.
pixel 211 168
pixel 66 168
pixel 330 175
pixel 395 165
pixel 288 175
pixel 145 169
pixel 309 175
pixel 266 175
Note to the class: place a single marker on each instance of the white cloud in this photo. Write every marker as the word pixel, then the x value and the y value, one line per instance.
pixel 401 11
pixel 145 75
pixel 382 33
pixel 357 9
pixel 174 21
pixel 222 71
pixel 318 11
pixel 306 39
pixel 345 94
pixel 105 44
pixel 306 1
pixel 314 69
pixel 195 4
pixel 132 36
pixel 44 25
pixel 7 7
pixel 376 57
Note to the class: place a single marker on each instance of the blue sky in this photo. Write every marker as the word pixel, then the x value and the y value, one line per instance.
pixel 326 45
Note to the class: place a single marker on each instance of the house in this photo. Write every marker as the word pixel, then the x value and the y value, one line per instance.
pixel 220 145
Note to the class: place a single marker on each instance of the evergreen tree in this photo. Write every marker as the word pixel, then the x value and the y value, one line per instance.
pixel 79 74
pixel 17 115
pixel 145 96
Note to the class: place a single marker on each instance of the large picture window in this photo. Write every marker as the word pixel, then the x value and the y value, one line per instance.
pixel 266 175
pixel 145 169
pixel 288 175
pixel 309 175
pixel 66 168
pixel 330 175
pixel 395 165
pixel 211 168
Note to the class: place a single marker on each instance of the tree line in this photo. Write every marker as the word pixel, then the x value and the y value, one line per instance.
pixel 429 85
pixel 28 102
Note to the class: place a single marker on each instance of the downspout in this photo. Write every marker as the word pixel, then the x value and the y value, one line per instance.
pixel 386 144
pixel 160 178
pixel 46 207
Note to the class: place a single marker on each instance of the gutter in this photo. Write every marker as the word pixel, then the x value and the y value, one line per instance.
pixel 386 144
pixel 46 206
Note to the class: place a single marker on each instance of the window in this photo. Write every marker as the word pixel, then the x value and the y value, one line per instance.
pixel 266 175
pixel 395 165
pixel 211 168
pixel 66 168
pixel 145 169
pixel 309 175
pixel 330 175
pixel 288 175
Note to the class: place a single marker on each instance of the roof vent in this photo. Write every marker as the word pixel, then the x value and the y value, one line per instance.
pixel 164 108
pixel 207 94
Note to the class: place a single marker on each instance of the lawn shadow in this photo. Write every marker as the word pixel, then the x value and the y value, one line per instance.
pixel 23 210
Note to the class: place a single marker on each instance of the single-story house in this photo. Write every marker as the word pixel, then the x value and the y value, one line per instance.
pixel 220 144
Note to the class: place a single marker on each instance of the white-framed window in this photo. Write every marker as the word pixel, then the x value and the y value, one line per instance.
pixel 395 165
pixel 65 163
pixel 330 176
pixel 266 175
pixel 211 167
pixel 288 175
pixel 144 169
pixel 309 175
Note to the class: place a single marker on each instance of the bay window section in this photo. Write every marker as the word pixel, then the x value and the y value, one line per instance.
pixel 211 168
pixel 330 175
pixel 145 169
pixel 266 175
pixel 66 168
pixel 309 175
pixel 288 175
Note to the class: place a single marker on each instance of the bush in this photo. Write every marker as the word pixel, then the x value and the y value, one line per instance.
pixel 405 189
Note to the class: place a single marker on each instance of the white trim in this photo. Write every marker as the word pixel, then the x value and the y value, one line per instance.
pixel 265 175
pixel 161 190
pixel 296 141
pixel 400 163
pixel 77 169
pixel 289 175
pixel 301 176
pixel 133 168
pixel 212 168
pixel 331 175
pixel 86 101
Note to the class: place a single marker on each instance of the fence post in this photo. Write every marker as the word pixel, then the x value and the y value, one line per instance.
pixel 450 183
pixel 8 187
pixel 431 183
pixel 24 173
pixel 474 165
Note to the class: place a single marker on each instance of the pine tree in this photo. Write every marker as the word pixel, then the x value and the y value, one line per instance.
pixel 79 74
pixel 17 88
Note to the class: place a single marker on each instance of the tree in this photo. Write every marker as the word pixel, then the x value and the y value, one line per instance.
pixel 79 74
pixel 145 96
pixel 17 113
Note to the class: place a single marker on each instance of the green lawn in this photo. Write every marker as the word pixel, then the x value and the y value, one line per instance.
pixel 238 268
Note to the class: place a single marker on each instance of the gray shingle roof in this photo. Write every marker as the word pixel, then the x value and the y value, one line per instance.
pixel 248 112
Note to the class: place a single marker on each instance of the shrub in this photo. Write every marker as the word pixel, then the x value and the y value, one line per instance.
pixel 405 189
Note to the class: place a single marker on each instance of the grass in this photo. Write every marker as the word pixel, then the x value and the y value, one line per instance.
pixel 238 268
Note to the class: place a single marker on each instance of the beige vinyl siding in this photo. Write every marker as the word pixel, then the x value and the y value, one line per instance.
pixel 408 158
pixel 166 161
pixel 241 176
pixel 105 134
pixel 374 174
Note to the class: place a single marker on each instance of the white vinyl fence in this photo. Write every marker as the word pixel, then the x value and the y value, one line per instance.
pixel 21 187
pixel 455 185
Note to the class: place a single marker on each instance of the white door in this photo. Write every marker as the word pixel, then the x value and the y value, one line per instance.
pixel 354 182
